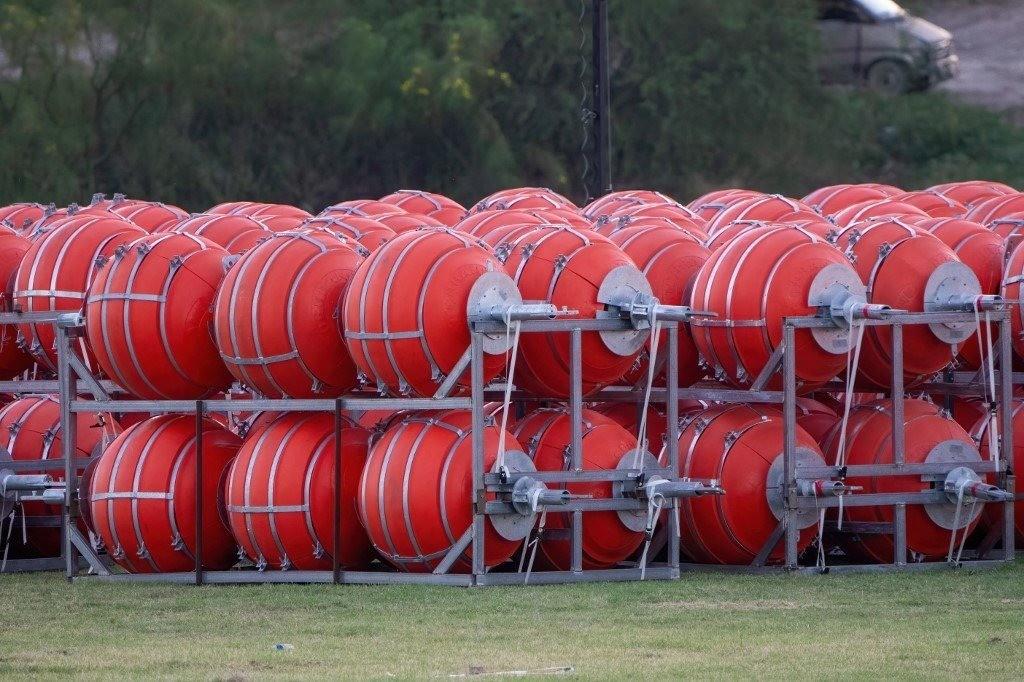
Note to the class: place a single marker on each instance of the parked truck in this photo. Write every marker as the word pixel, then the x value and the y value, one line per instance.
pixel 879 44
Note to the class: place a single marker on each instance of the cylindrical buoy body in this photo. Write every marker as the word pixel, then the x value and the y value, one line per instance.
pixel 280 493
pixel 547 433
pixel 277 315
pixel 149 315
pixel 143 496
pixel 415 494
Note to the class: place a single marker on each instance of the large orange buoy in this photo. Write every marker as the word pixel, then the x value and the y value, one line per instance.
pixel 576 270
pixel 368 232
pixel 480 224
pixel 760 277
pixel 996 207
pixel 236 233
pixel 228 207
pixel 929 437
pixel 972 191
pixel 616 201
pixel 143 496
pixel 149 317
pixel 403 222
pixel 815 417
pixel 73 214
pixel 627 415
pixel 55 274
pixel 522 198
pixel 366 208
pixel 680 216
pixel 149 215
pixel 266 213
pixel 909 269
pixel 609 228
pixel 277 315
pixel 609 537
pixel 21 216
pixel 14 359
pixel 766 207
pixel 981 250
pixel 670 259
pixel 875 209
pixel 741 447
pixel 834 198
pixel 31 429
pixel 708 205
pixel 981 432
pixel 1008 226
pixel 561 216
pixel 933 203
pixel 1013 278
pixel 437 206
pixel 414 526
pixel 280 493
pixel 406 312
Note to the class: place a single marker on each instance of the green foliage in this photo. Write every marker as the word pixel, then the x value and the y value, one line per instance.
pixel 200 101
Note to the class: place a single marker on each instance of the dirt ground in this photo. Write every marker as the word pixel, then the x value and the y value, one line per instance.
pixel 989 37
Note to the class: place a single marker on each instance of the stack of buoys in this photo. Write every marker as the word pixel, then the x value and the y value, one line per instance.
pixel 378 296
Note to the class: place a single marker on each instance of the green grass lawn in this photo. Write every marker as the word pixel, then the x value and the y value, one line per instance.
pixel 936 625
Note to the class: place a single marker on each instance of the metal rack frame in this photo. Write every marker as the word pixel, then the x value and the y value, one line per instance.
pixel 77 551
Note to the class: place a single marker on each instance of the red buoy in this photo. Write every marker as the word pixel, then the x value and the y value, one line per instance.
pixel 929 437
pixel 415 495
pixel 907 268
pixel 405 313
pixel 561 216
pixel 609 537
pixel 680 216
pixel 1013 278
pixel 670 259
pixel 280 493
pixel 616 201
pixel 148 317
pixel 366 208
pixel 766 208
pixel 437 206
pixel 31 429
pixel 143 496
pixel 972 191
pixel 149 215
pixel 875 209
pixel 236 233
pixel 981 432
pixel 741 447
pixel 277 315
pixel 627 415
pixel 934 204
pixel 833 199
pixel 522 198
pixel 760 277
pixel 582 271
pixel 403 222
pixel 482 223
pixel 707 206
pixel 21 216
pixel 996 207
pixel 55 274
pixel 14 358
pixel 368 232
pixel 981 250
pixel 815 417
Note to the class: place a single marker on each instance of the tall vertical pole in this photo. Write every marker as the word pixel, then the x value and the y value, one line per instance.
pixel 602 99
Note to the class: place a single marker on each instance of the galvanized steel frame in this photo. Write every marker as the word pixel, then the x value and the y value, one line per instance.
pixel 783 361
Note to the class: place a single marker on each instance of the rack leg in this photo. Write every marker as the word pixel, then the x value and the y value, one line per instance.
pixel 576 417
pixel 480 495
pixel 1006 411
pixel 672 437
pixel 200 409
pixel 67 384
pixel 789 444
pixel 336 537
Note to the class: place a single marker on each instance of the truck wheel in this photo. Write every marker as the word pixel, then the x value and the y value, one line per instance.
pixel 889 78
